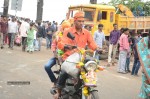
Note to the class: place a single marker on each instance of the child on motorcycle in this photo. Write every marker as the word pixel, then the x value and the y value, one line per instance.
pixel 52 61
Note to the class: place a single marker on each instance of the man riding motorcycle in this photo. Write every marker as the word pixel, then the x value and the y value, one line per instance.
pixel 82 38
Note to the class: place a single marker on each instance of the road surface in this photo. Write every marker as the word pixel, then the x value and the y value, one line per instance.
pixel 16 65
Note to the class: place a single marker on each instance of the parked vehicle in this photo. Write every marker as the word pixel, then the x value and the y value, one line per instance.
pixel 107 15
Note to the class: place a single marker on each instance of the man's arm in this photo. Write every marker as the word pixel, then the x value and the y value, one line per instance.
pixel 104 40
pixel 110 36
pixel 91 43
pixel 118 36
pixel 95 36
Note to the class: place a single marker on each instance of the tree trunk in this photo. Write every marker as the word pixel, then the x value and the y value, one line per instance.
pixel 39 10
pixel 6 6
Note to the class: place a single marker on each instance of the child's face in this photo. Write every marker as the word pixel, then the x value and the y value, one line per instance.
pixel 127 32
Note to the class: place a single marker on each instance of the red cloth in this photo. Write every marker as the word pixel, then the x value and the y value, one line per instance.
pixel 79 15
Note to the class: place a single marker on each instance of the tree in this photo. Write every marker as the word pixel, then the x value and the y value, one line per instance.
pixel 138 7
pixel 117 2
pixel 146 8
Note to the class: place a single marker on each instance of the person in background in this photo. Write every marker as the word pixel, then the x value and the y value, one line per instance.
pixel 121 31
pixel 87 27
pixel 143 50
pixel 40 35
pixel 124 49
pixel 23 32
pixel 136 64
pixel 144 34
pixel 139 35
pixel 99 38
pixel 44 26
pixel 114 37
pixel 49 34
pixel 54 26
pixel 127 69
pixel 12 30
pixel 30 38
pixel 18 37
pixel 35 43
pixel 3 31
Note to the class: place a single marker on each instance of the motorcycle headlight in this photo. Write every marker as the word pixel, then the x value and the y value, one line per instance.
pixel 90 65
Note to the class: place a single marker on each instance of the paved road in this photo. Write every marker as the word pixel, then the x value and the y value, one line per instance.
pixel 16 65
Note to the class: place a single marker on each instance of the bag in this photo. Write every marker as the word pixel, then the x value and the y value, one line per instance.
pixel 18 40
pixel 69 65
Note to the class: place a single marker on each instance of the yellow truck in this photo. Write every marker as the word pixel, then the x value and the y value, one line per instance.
pixel 106 15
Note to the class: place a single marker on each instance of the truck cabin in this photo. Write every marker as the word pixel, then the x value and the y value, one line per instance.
pixel 96 14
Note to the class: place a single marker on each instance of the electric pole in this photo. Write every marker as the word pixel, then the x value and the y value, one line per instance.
pixel 93 1
pixel 5 8
pixel 39 10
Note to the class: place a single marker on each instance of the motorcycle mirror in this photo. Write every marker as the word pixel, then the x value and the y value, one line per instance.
pixel 71 36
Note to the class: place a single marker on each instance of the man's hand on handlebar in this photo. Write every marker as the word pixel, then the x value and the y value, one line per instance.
pixel 99 50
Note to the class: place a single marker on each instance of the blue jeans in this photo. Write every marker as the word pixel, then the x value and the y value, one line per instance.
pixel 127 64
pixel 39 43
pixel 35 43
pixel 48 67
pixel 136 66
pixel 11 37
pixel 48 42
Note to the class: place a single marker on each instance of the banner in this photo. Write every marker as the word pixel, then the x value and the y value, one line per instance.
pixel 16 5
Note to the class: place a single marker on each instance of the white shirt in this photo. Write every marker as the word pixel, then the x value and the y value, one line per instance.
pixel 23 29
pixel 99 38
pixel 35 34
pixel 12 27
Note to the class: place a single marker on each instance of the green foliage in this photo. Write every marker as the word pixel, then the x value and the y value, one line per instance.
pixel 133 5
pixel 147 8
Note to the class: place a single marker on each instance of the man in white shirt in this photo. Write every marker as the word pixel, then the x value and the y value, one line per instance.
pixel 99 38
pixel 12 30
pixel 23 32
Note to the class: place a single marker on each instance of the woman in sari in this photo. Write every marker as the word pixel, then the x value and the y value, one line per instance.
pixel 30 38
pixel 143 48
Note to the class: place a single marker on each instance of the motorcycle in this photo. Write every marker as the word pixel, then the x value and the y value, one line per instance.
pixel 82 68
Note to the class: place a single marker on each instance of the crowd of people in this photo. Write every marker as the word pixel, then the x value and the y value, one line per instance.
pixel 25 32
pixel 124 42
